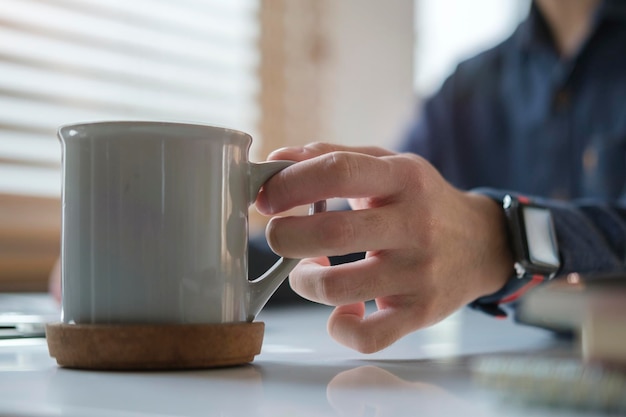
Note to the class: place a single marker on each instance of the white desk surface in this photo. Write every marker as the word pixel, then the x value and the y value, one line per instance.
pixel 301 371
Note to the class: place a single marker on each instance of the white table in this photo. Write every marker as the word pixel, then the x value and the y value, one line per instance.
pixel 301 371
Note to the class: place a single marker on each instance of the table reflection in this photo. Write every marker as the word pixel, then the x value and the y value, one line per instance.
pixel 300 372
pixel 225 392
pixel 373 391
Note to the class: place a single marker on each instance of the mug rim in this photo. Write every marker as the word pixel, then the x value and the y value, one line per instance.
pixel 246 138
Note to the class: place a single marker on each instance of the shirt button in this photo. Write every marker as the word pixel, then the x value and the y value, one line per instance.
pixel 590 159
pixel 559 194
pixel 562 99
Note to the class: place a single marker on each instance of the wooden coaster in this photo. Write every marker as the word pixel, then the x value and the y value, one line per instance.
pixel 153 347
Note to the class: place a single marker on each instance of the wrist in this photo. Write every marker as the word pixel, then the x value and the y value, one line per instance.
pixel 532 243
pixel 498 261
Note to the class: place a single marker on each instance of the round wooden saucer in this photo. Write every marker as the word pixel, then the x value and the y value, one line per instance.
pixel 153 347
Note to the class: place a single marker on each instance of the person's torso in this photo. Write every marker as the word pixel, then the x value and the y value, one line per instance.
pixel 527 121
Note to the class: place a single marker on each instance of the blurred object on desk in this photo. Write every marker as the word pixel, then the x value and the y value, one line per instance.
pixel 593 307
pixel 603 336
pixel 554 382
pixel 25 315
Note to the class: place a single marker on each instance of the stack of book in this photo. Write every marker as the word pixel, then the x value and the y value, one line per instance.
pixel 592 378
pixel 592 307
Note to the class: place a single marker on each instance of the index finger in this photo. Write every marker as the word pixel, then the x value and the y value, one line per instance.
pixel 337 174
pixel 311 150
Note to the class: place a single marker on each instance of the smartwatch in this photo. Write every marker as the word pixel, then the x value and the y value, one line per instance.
pixel 532 238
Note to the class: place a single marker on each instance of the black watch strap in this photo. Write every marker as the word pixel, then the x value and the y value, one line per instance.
pixel 530 267
pixel 511 292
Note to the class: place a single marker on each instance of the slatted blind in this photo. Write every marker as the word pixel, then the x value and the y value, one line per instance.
pixel 66 61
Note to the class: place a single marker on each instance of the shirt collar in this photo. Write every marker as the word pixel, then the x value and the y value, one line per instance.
pixel 612 10
pixel 534 30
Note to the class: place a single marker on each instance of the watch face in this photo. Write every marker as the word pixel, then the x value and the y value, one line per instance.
pixel 540 237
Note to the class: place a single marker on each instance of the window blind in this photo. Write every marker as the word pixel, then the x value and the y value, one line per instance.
pixel 66 61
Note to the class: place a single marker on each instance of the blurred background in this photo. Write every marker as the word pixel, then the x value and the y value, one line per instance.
pixel 286 71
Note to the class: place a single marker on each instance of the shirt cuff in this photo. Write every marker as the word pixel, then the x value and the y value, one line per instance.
pixel 511 292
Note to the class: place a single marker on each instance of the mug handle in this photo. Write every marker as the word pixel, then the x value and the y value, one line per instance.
pixel 262 288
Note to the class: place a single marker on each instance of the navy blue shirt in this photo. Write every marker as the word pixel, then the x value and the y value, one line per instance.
pixel 520 118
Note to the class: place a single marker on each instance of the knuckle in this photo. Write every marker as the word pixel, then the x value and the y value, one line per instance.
pixel 319 147
pixel 376 151
pixel 331 290
pixel 344 168
pixel 416 172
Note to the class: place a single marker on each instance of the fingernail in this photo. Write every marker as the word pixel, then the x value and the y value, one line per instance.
pixel 262 205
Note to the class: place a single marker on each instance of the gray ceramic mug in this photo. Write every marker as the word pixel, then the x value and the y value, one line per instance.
pixel 155 224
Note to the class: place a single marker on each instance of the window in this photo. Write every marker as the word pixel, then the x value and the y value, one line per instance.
pixel 448 31
pixel 68 61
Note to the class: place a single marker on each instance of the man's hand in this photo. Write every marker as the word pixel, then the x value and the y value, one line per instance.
pixel 430 248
